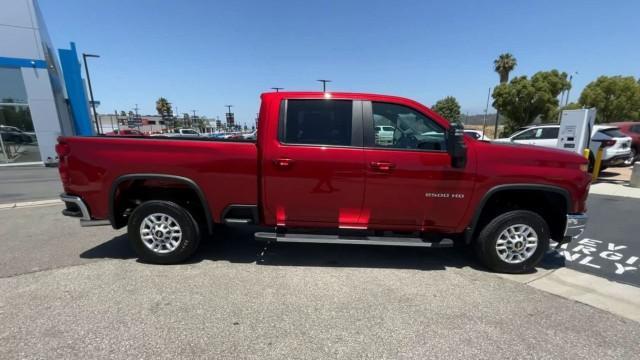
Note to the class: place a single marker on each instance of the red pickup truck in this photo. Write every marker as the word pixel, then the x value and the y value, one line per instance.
pixel 320 173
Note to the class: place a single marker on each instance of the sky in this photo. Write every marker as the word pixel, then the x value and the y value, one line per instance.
pixel 202 55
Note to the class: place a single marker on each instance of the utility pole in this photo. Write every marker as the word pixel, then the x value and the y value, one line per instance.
pixel 93 102
pixel 566 102
pixel 324 84
pixel 193 119
pixel 137 117
pixel 486 110
pixel 277 89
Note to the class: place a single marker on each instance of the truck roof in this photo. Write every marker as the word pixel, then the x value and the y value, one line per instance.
pixel 333 95
pixel 353 96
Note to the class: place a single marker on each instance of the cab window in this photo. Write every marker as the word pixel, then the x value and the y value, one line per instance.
pixel 318 122
pixel 401 127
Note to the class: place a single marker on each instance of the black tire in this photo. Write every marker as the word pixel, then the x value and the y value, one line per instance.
pixel 485 244
pixel 632 158
pixel 190 232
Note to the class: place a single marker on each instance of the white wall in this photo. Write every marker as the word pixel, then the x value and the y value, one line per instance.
pixel 20 37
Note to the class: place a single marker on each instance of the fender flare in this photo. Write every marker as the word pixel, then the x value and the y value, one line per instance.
pixel 192 184
pixel 498 188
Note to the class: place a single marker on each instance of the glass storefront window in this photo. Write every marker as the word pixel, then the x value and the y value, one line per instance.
pixel 18 142
pixel 12 88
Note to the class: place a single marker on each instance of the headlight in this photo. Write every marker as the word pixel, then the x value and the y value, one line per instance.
pixel 584 167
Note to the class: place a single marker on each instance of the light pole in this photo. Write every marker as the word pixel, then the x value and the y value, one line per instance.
pixel 137 120
pixel 566 102
pixel 324 84
pixel 229 115
pixel 277 89
pixel 93 103
pixel 193 119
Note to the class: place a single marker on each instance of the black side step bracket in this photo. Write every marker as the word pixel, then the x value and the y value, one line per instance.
pixel 359 240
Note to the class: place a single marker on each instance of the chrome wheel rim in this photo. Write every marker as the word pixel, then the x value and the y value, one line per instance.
pixel 517 243
pixel 160 233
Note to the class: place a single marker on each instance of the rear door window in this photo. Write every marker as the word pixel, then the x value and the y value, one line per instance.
pixel 318 122
pixel 613 132
pixel 526 135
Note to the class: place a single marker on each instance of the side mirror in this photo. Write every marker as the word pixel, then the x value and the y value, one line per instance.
pixel 456 147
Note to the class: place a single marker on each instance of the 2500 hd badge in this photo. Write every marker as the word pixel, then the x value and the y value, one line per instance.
pixel 444 195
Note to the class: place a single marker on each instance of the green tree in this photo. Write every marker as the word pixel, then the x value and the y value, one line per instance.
pixel 616 98
pixel 448 108
pixel 503 65
pixel 163 107
pixel 522 100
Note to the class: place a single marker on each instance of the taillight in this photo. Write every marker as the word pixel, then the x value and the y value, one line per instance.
pixel 62 149
pixel 607 143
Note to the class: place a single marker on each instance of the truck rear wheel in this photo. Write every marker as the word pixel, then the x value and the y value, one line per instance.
pixel 163 232
pixel 513 242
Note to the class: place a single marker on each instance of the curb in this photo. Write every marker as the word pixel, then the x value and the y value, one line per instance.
pixel 27 204
pixel 616 298
pixel 615 190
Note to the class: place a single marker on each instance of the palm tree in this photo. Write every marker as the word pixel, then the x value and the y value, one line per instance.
pixel 503 65
pixel 163 107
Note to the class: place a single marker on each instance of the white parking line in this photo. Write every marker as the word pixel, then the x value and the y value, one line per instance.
pixel 26 204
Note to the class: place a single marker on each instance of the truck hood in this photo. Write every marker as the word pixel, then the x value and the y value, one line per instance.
pixel 526 153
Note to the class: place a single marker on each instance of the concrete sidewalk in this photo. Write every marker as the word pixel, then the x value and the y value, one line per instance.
pixel 607 188
pixel 616 298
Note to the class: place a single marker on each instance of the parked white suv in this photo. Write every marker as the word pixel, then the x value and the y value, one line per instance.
pixel 384 134
pixel 543 135
pixel 476 134
pixel 617 145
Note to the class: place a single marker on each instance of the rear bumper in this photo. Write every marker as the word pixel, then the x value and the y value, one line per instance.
pixel 576 223
pixel 616 160
pixel 75 207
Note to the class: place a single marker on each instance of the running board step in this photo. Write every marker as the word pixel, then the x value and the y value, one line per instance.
pixel 359 240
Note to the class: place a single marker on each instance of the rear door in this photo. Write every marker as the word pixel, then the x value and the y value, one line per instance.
pixel 314 173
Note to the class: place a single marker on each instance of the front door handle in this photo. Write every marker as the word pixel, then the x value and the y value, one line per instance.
pixel 283 162
pixel 382 165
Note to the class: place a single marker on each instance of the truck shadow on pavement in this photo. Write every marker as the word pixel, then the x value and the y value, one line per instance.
pixel 237 245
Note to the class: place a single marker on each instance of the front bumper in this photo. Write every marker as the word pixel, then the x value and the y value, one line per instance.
pixel 576 223
pixel 75 207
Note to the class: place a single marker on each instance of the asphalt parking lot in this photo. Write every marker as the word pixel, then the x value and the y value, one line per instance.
pixel 610 246
pixel 71 292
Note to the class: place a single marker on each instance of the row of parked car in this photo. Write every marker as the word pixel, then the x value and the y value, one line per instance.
pixel 186 132
pixel 620 141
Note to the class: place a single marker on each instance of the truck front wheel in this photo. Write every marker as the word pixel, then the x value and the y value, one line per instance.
pixel 163 232
pixel 513 242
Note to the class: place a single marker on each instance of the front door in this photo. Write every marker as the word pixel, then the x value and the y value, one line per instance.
pixel 410 183
pixel 314 172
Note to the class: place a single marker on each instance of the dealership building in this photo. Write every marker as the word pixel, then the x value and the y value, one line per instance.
pixel 42 93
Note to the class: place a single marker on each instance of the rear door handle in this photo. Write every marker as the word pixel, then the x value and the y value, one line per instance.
pixel 283 162
pixel 382 165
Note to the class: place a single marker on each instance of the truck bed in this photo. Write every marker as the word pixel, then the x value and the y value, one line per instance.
pixel 224 170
